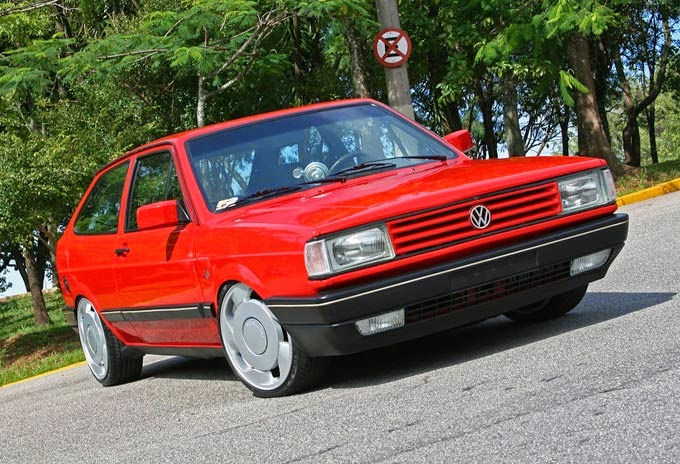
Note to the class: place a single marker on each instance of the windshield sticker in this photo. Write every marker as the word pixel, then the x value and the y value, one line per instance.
pixel 224 204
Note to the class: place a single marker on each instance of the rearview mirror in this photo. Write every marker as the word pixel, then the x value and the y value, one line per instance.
pixel 161 214
pixel 461 139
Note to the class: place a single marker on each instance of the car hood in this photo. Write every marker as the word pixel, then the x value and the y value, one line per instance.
pixel 338 206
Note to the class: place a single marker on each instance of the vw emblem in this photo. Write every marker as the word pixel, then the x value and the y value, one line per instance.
pixel 480 217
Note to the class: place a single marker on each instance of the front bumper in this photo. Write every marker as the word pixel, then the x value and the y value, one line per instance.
pixel 452 294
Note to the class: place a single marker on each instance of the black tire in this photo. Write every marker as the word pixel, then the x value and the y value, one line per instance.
pixel 288 374
pixel 551 308
pixel 122 368
pixel 103 351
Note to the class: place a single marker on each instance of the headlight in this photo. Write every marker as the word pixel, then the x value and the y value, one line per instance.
pixel 347 251
pixel 587 190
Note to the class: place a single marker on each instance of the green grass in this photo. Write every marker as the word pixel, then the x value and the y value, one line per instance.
pixel 647 176
pixel 27 350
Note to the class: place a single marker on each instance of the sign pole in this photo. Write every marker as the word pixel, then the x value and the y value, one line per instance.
pixel 398 87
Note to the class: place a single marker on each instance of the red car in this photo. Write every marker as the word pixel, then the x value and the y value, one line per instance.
pixel 282 239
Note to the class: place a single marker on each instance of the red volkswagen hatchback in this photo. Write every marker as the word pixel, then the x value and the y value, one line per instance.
pixel 282 239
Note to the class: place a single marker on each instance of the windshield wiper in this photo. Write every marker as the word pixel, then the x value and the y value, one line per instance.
pixel 275 191
pixel 269 192
pixel 325 180
pixel 367 166
pixel 426 157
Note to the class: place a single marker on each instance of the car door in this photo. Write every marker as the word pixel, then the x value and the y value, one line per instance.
pixel 91 250
pixel 159 291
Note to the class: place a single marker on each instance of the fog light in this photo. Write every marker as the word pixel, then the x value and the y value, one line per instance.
pixel 589 262
pixel 381 323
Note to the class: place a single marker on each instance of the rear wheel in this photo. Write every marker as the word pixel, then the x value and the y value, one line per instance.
pixel 260 352
pixel 103 351
pixel 550 308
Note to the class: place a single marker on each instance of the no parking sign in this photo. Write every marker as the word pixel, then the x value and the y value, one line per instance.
pixel 392 47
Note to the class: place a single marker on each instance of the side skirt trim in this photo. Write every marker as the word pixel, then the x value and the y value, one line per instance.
pixel 198 311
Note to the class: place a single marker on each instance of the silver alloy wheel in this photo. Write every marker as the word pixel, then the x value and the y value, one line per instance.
pixel 93 339
pixel 254 340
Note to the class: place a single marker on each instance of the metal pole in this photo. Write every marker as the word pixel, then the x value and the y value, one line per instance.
pixel 398 87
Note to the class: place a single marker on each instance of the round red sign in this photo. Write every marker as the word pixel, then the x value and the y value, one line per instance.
pixel 392 47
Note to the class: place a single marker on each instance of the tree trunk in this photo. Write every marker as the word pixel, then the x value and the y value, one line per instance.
pixel 651 128
pixel 62 23
pixel 20 265
pixel 486 107
pixel 48 240
pixel 298 74
pixel 631 141
pixel 601 71
pixel 564 130
pixel 39 308
pixel 513 133
pixel 452 113
pixel 592 140
pixel 357 60
pixel 631 132
pixel 200 102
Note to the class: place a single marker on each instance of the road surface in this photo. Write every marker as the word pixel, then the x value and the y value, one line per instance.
pixel 601 384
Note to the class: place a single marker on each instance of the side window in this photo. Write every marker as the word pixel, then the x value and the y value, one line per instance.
pixel 155 179
pixel 100 212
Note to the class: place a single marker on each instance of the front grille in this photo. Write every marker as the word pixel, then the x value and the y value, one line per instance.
pixel 486 292
pixel 439 227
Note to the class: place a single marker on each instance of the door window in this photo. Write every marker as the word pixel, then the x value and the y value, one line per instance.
pixel 155 180
pixel 100 212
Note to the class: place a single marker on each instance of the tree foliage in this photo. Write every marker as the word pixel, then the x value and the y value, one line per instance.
pixel 82 81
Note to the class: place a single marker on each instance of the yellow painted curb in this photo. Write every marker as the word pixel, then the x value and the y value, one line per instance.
pixel 44 374
pixel 651 192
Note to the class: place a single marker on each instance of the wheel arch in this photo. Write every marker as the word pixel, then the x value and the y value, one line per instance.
pixel 232 274
pixel 97 307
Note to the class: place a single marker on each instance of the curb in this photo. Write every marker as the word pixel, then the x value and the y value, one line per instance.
pixel 651 192
pixel 45 374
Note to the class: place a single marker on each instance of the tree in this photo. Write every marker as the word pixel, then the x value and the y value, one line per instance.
pixel 52 139
pixel 575 22
pixel 647 48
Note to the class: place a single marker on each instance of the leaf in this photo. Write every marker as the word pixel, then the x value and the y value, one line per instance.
pixel 567 83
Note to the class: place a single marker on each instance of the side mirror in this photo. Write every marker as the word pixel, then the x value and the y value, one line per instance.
pixel 161 214
pixel 461 139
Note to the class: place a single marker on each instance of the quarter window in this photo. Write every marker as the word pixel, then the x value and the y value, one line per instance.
pixel 155 180
pixel 100 212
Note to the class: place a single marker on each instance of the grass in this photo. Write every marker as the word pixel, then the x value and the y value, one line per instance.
pixel 647 176
pixel 27 350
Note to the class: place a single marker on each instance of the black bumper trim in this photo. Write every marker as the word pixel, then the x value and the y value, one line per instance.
pixel 324 325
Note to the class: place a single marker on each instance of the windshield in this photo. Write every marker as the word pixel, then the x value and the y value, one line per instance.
pixel 278 156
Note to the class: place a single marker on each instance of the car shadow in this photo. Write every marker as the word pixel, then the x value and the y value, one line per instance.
pixel 444 349
pixel 179 367
pixel 475 341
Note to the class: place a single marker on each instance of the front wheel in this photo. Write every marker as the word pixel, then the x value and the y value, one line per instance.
pixel 260 352
pixel 103 351
pixel 550 308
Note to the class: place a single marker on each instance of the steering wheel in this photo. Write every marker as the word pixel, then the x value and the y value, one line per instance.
pixel 344 160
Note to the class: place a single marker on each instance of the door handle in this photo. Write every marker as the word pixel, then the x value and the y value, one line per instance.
pixel 122 251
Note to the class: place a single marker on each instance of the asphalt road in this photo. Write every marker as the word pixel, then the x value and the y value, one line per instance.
pixel 601 384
